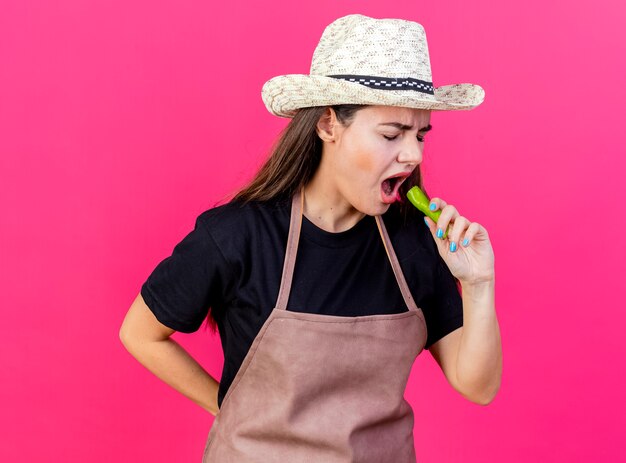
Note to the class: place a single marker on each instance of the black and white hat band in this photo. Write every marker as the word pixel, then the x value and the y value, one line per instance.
pixel 389 83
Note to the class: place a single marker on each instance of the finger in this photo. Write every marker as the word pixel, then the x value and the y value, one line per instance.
pixel 433 206
pixel 432 228
pixel 448 213
pixel 459 225
pixel 437 204
pixel 470 233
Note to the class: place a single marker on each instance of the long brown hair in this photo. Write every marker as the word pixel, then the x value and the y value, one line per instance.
pixel 295 157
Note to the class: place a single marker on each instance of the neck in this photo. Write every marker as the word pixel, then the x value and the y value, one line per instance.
pixel 325 206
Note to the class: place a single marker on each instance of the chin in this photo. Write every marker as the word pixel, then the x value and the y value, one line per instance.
pixel 370 205
pixel 377 208
pixel 384 208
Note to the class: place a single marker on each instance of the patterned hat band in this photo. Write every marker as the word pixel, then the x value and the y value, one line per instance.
pixel 389 83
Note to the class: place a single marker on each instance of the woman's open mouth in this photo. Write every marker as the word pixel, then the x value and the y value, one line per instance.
pixel 390 187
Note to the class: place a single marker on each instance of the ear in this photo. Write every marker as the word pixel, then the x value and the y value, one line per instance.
pixel 327 125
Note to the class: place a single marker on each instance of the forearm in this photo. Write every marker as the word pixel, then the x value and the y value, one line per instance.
pixel 173 365
pixel 479 361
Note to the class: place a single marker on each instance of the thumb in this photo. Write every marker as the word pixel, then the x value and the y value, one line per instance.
pixel 430 224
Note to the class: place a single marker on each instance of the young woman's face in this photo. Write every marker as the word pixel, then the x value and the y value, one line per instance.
pixel 373 155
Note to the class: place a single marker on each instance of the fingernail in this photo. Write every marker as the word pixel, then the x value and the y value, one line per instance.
pixel 452 246
pixel 439 233
pixel 426 221
pixel 433 206
pixel 465 242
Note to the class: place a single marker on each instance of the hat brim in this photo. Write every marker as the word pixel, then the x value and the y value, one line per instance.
pixel 284 95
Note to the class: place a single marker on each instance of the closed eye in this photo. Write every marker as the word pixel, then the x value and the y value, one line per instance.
pixel 419 138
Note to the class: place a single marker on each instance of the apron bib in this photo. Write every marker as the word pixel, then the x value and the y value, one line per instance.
pixel 322 388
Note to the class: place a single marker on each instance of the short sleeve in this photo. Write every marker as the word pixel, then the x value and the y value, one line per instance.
pixel 183 286
pixel 446 304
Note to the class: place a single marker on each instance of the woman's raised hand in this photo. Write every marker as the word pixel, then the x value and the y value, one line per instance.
pixel 467 250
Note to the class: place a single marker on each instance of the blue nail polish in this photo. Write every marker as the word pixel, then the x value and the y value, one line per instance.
pixel 453 246
pixel 433 206
pixel 465 242
pixel 439 233
pixel 426 221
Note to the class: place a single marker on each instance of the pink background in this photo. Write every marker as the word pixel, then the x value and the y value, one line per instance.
pixel 121 121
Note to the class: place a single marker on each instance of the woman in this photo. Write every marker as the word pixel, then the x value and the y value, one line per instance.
pixel 318 349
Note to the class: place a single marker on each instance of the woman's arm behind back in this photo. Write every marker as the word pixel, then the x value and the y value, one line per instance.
pixel 148 340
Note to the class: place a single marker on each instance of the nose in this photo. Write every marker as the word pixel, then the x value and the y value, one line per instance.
pixel 411 151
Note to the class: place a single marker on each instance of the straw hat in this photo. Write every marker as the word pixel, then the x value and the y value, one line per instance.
pixel 362 60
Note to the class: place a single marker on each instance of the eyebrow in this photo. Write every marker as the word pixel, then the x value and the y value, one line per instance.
pixel 397 125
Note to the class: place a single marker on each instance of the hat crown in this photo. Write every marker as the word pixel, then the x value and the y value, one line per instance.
pixel 360 45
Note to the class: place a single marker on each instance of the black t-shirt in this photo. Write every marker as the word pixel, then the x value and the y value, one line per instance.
pixel 232 263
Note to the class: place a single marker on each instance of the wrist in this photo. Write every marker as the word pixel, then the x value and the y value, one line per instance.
pixel 480 282
pixel 478 289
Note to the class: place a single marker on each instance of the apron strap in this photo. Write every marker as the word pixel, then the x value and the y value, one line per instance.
pixel 395 265
pixel 295 225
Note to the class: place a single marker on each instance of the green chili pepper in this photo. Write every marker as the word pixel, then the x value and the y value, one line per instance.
pixel 419 199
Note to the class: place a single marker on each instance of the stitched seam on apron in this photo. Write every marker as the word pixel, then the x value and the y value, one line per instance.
pixel 358 319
